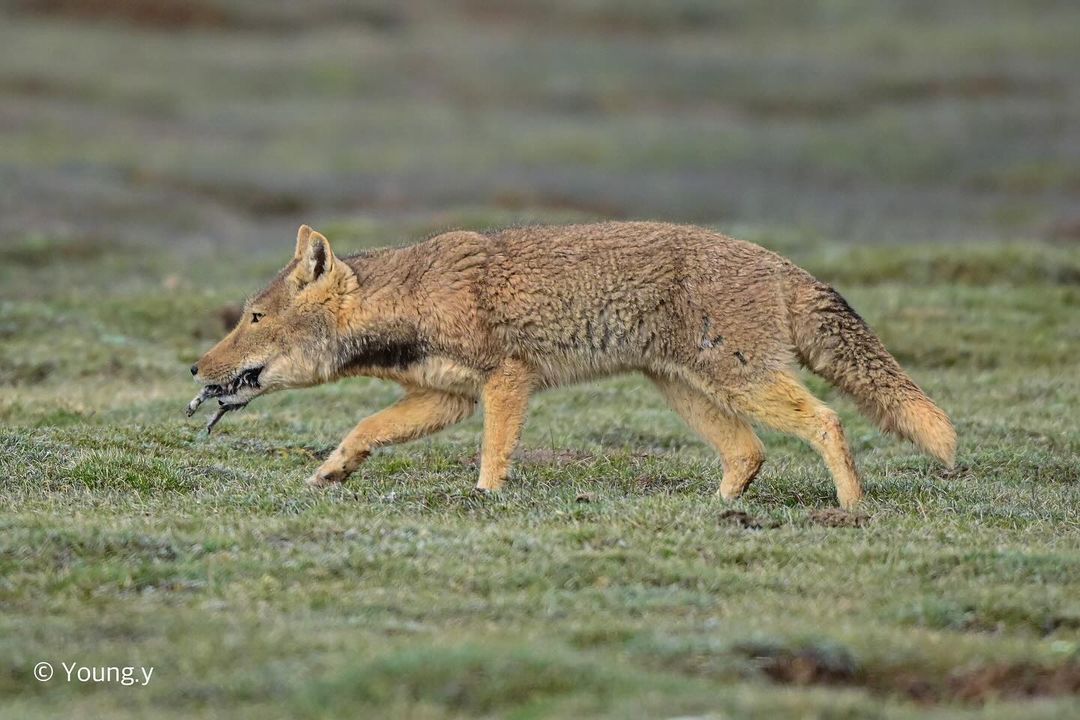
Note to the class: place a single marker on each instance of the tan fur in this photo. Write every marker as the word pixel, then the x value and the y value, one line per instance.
pixel 421 412
pixel 716 323
pixel 741 452
pixel 506 399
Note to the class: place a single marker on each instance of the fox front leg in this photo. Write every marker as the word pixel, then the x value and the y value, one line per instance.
pixel 421 412
pixel 506 399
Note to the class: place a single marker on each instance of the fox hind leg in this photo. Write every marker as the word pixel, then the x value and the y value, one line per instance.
pixel 421 412
pixel 785 404
pixel 741 452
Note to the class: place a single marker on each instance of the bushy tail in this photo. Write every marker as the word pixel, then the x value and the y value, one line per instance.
pixel 834 342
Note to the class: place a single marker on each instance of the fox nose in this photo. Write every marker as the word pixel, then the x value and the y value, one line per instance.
pixel 195 369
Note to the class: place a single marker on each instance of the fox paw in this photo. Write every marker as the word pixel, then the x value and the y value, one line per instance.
pixel 326 478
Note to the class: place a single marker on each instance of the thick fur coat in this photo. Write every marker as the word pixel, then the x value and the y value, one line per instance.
pixel 716 323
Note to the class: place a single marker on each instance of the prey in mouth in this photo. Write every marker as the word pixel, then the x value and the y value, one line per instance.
pixel 227 395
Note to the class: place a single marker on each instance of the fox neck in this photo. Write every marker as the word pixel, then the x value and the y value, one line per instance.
pixel 381 326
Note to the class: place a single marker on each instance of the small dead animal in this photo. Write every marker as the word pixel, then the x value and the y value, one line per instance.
pixel 208 392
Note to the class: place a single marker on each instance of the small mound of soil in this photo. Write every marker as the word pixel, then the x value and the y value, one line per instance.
pixel 1014 681
pixel 804 666
pixel 835 517
pixel 746 520
pixel 972 685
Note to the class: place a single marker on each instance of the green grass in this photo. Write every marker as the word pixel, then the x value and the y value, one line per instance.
pixel 606 580
pixel 922 156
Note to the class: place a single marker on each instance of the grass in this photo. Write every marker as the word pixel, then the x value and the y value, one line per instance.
pixel 156 159
pixel 607 580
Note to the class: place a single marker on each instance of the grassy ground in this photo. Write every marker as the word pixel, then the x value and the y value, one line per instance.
pixel 606 580
pixel 155 161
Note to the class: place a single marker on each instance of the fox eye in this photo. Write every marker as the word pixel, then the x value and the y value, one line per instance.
pixel 255 317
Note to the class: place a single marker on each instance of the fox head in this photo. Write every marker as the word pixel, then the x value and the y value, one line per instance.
pixel 289 334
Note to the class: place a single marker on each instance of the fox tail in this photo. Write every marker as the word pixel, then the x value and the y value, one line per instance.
pixel 832 340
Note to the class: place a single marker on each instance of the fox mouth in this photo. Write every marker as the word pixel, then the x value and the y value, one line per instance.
pixel 246 379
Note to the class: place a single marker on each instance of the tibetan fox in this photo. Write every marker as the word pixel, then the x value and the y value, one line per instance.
pixel 717 324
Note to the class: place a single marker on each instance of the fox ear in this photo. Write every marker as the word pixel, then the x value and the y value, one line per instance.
pixel 302 236
pixel 313 255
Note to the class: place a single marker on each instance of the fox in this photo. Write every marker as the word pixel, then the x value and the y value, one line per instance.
pixel 718 325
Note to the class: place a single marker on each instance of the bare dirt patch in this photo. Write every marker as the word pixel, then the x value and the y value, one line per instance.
pixel 916 90
pixel 746 520
pixel 973 685
pixel 835 517
pixel 804 666
pixel 1016 681
pixel 163 14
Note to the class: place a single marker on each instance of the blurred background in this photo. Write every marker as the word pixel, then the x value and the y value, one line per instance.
pixel 191 127
pixel 156 158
